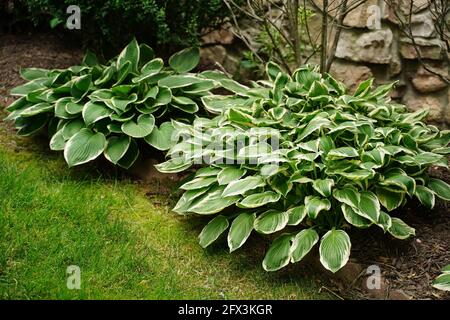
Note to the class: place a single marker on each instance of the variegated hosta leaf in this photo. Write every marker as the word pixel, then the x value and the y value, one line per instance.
pixel 259 199
pixel 334 250
pixel 440 188
pixel 314 204
pixel 369 206
pixel 353 218
pixel 442 282
pixel 425 196
pixel 400 230
pixel 240 230
pixel 279 253
pixel 84 147
pixel 271 221
pixel 213 230
pixel 241 186
pixel 302 243
pixel 296 215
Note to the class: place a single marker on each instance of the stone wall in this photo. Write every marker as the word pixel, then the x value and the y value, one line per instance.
pixel 372 47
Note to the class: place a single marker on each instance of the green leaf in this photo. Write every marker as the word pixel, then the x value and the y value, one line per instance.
pixel 80 86
pixel 130 54
pixel 32 125
pixel 271 221
pixel 278 255
pixel 296 215
pixel 178 81
pixel 185 60
pixel 369 207
pixel 400 229
pixel 259 199
pixel 334 250
pixel 363 88
pixel 31 74
pixel 406 183
pixel 72 127
pixel 314 204
pixel 390 200
pixel 141 128
pixel 84 147
pixel 117 147
pixel 241 186
pixel 385 221
pixel 174 165
pixel 349 196
pixel 302 243
pixel 58 142
pixel 95 111
pixel 353 218
pixel 37 109
pixel 198 183
pixel 240 230
pixel 130 156
pixel 149 69
pixel 213 230
pixel 442 282
pixel 230 174
pixel 440 188
pixel 272 70
pixel 212 202
pixel 425 196
pixel 187 200
pixel 323 186
pixel 340 153
pixel 162 138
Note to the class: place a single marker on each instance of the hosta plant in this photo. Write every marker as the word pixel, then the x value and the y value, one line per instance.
pixel 96 109
pixel 299 157
pixel 442 282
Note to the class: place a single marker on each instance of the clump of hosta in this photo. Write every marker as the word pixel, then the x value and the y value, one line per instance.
pixel 96 109
pixel 300 157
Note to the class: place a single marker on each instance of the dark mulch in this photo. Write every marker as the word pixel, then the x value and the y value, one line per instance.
pixel 407 266
pixel 34 50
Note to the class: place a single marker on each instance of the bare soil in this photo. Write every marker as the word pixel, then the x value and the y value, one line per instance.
pixel 408 267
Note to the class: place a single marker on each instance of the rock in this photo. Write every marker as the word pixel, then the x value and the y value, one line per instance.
pixel 350 273
pixel 231 63
pixel 350 74
pixel 221 36
pixel 425 81
pixel 422 25
pixel 372 46
pixel 415 103
pixel 428 49
pixel 364 16
pixel 418 5
pixel 213 54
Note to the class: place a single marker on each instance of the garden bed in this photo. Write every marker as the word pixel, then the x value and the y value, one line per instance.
pixel 408 267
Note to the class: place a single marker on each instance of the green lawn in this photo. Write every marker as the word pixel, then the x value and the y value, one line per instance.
pixel 128 246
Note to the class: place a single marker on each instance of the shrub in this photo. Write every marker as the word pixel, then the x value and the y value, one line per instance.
pixel 340 161
pixel 95 109
pixel 112 23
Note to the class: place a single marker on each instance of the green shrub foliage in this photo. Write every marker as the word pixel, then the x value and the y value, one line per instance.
pixel 96 109
pixel 341 160
pixel 113 23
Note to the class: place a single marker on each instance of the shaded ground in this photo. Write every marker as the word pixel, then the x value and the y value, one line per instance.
pixel 408 267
